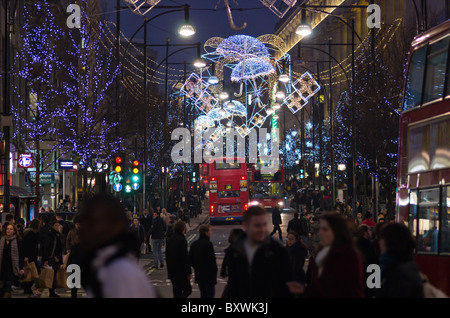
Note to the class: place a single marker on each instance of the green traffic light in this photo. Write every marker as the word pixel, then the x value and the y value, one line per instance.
pixel 135 178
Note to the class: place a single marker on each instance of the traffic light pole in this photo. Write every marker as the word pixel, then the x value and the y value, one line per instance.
pixel 144 197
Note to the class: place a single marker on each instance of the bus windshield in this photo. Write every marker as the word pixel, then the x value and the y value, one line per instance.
pixel 227 165
pixel 267 190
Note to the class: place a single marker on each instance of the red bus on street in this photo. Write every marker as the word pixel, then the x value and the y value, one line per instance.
pixel 228 189
pixel 423 184
pixel 267 187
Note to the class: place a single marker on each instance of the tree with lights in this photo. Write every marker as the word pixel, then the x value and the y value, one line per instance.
pixel 40 108
pixel 89 120
pixel 376 115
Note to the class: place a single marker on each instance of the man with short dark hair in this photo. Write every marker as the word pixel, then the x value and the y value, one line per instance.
pixel 295 225
pixel 276 221
pixel 157 232
pixel 259 266
pixel 203 260
pixel 305 228
pixel 178 265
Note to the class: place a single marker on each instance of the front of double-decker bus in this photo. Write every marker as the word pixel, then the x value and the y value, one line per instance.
pixel 267 187
pixel 228 190
pixel 423 183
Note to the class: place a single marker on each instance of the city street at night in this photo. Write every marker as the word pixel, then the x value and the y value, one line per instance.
pixel 223 156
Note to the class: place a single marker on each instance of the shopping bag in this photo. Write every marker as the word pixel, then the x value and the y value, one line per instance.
pixel 45 280
pixel 143 248
pixel 61 278
pixel 33 269
pixel 66 259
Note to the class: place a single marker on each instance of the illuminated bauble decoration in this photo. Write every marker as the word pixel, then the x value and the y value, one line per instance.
pixel 250 69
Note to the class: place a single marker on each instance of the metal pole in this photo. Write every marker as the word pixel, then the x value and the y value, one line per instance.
pixel 166 121
pixel 118 63
pixel 353 121
pixel 6 112
pixel 302 142
pixel 320 133
pixel 333 183
pixel 144 197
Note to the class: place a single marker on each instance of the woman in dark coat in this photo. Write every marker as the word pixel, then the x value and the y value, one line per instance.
pixel 11 259
pixel 400 275
pixel 30 249
pixel 234 234
pixel 336 271
pixel 54 253
pixel 297 251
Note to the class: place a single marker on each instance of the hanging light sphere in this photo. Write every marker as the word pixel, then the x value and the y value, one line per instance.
pixel 269 111
pixel 284 78
pixel 223 95
pixel 213 80
pixel 276 116
pixel 276 106
pixel 222 112
pixel 303 30
pixel 199 63
pixel 280 94
pixel 231 105
pixel 186 30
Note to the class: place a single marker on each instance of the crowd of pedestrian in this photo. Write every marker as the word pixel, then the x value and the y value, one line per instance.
pixel 326 254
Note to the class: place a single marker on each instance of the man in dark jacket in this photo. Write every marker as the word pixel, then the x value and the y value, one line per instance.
pixel 203 260
pixel 157 232
pixel 276 221
pixel 44 237
pixel 259 266
pixel 146 221
pixel 304 234
pixel 178 265
pixel 137 230
pixel 295 225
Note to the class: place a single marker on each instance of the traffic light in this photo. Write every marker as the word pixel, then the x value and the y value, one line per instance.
pixel 118 164
pixel 135 175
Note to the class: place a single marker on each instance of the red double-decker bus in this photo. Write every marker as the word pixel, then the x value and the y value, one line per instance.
pixel 423 185
pixel 267 186
pixel 228 189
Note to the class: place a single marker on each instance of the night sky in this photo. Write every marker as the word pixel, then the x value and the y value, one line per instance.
pixel 207 23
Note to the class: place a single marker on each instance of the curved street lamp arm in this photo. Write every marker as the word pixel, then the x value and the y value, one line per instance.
pixel 146 22
pixel 331 56
pixel 171 54
pixel 343 21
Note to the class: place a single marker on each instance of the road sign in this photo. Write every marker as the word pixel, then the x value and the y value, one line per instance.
pixel 25 160
pixel 135 186
pixel 65 164
pixel 117 187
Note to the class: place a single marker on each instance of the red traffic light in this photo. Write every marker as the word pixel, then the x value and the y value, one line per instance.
pixel 118 160
pixel 135 163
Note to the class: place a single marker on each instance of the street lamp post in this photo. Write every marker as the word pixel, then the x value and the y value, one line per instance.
pixel 182 31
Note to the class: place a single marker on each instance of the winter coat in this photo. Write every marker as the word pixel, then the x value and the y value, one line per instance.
pixel 30 244
pixel 342 275
pixel 146 222
pixel 305 227
pixel 265 278
pixel 11 258
pixel 400 278
pixel 177 257
pixel 314 230
pixel 44 241
pixel 54 249
pixel 138 232
pixel 276 216
pixel 158 229
pixel 203 261
pixel 294 225
pixel 72 244
pixel 368 257
pixel 297 255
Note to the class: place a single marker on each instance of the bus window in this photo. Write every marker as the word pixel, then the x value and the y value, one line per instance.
pixel 436 68
pixel 418 149
pixel 428 218
pixel 414 81
pixel 440 144
pixel 228 194
pixel 445 218
pixel 227 165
